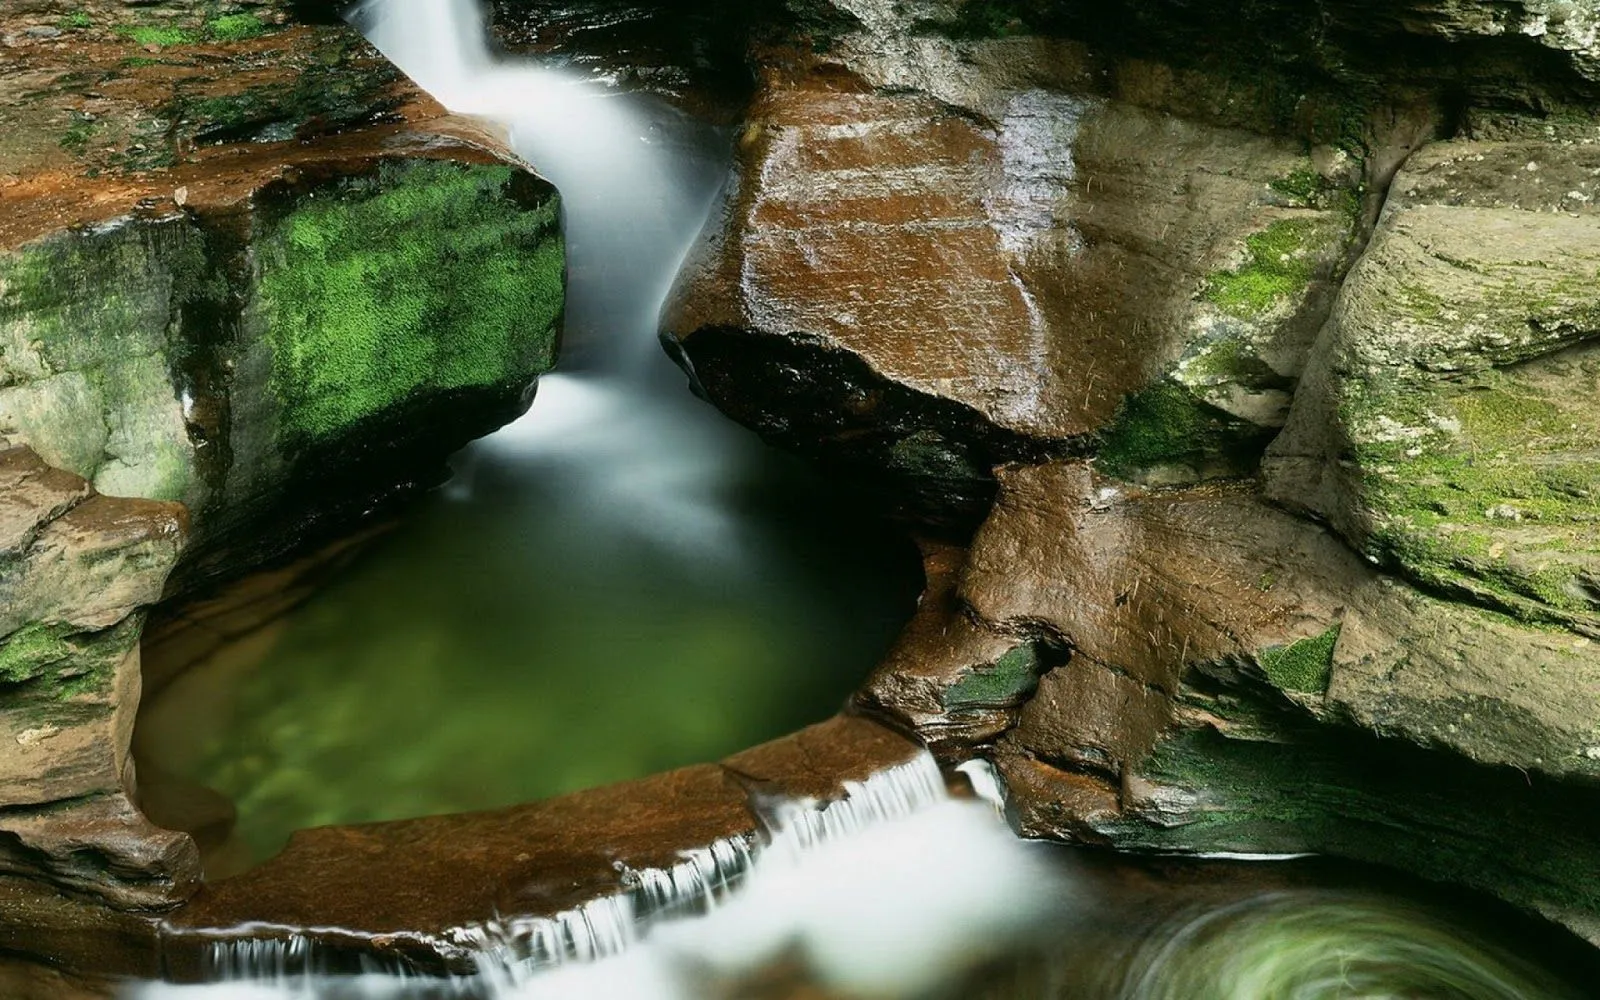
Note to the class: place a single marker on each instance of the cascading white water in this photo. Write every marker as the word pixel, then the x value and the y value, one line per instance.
pixel 622 431
pixel 637 179
pixel 880 889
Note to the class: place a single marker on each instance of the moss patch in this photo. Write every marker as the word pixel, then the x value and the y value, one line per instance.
pixel 1490 485
pixel 75 139
pixel 1166 424
pixel 1303 666
pixel 159 35
pixel 1007 682
pixel 1290 785
pixel 1278 266
pixel 235 27
pixel 425 277
pixel 34 651
pixel 85 348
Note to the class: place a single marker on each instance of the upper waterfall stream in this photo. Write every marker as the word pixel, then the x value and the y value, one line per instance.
pixel 621 582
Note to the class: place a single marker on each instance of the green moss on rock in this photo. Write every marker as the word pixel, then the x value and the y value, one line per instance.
pixel 426 276
pixel 1277 267
pixel 1303 667
pixel 1488 485
pixel 85 352
pixel 159 35
pixel 1274 781
pixel 235 27
pixel 34 651
pixel 1007 682
pixel 1167 424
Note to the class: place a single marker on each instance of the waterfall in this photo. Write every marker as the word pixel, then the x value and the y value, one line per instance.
pixel 835 880
pixel 880 888
pixel 614 425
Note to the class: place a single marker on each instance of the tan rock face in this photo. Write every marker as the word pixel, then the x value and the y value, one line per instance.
pixel 933 287
pixel 1449 433
pixel 74 582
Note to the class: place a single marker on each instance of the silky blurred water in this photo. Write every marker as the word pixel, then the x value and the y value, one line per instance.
pixel 620 582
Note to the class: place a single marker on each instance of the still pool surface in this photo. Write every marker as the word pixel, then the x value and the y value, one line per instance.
pixel 508 643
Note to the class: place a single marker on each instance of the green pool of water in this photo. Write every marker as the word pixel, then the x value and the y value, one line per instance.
pixel 516 638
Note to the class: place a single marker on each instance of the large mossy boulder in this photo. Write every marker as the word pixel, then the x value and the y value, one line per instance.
pixel 253 288
pixel 293 359
pixel 1450 433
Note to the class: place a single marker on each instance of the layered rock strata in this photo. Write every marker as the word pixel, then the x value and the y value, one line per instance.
pixel 1264 366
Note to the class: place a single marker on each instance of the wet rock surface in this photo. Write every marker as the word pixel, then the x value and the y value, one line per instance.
pixel 405 890
pixel 937 256
pixel 1239 680
pixel 77 575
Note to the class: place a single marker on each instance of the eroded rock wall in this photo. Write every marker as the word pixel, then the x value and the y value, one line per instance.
pixel 1255 340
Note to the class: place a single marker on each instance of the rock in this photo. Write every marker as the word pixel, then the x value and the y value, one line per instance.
pixel 1225 656
pixel 179 229
pixel 405 890
pixel 817 762
pixel 77 572
pixel 1449 434
pixel 102 847
pixel 84 939
pixel 954 680
pixel 1006 266
pixel 267 384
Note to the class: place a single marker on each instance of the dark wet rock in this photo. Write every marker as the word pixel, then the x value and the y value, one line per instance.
pixel 816 762
pixel 954 680
pixel 81 939
pixel 690 54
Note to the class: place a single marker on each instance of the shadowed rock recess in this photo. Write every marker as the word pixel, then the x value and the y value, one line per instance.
pixel 1240 362
pixel 253 288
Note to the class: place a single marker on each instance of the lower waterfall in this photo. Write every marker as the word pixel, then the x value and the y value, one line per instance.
pixel 877 891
